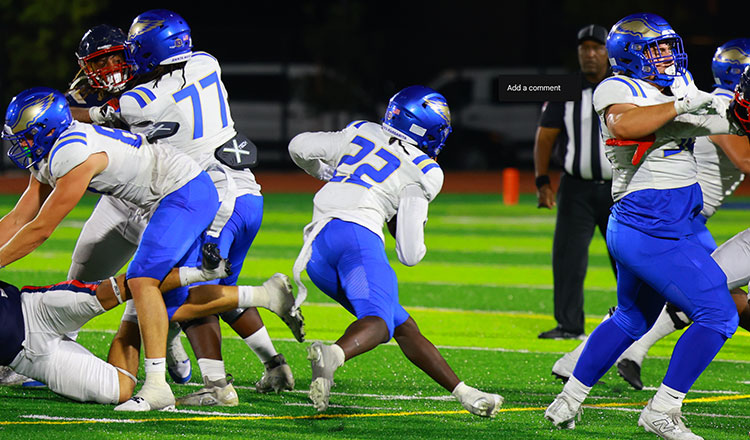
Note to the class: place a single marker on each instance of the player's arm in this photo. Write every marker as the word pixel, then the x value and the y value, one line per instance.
pixel 26 209
pixel 544 142
pixel 315 152
pixel 410 221
pixel 629 121
pixel 737 149
pixel 67 193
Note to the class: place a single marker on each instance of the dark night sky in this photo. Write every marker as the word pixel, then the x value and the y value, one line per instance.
pixel 381 47
pixel 410 41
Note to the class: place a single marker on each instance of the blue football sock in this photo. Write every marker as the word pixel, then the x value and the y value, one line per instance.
pixel 695 349
pixel 603 347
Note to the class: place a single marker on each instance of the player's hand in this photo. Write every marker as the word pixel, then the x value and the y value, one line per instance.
pixel 106 114
pixel 695 102
pixel 213 266
pixel 545 197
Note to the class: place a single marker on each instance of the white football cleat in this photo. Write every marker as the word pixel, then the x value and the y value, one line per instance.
pixel 668 425
pixel 217 393
pixel 277 376
pixel 564 367
pixel 149 398
pixel 281 302
pixel 563 412
pixel 323 364
pixel 8 377
pixel 478 402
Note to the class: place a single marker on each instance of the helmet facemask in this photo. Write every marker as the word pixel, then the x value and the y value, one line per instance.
pixel 654 54
pixel 106 70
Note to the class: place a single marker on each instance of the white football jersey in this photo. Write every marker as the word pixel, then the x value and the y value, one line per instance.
pixel 138 172
pixel 717 175
pixel 669 163
pixel 366 177
pixel 369 173
pixel 194 97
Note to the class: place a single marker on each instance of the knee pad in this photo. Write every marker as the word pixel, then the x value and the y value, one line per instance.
pixel 231 316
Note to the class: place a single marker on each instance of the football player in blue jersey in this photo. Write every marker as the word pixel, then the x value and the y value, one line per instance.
pixel 650 112
pixel 376 173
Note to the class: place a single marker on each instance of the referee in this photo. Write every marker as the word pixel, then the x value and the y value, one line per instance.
pixel 584 195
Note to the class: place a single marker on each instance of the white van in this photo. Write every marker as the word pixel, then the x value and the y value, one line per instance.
pixel 272 102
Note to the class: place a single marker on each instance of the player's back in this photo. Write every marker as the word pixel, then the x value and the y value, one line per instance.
pixel 137 171
pixel 195 97
pixel 370 172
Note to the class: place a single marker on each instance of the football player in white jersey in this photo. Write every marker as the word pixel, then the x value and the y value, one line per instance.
pixel 66 158
pixel 649 136
pixel 375 173
pixel 723 161
pixel 35 319
pixel 174 83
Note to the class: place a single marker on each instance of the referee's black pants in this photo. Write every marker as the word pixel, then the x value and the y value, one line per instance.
pixel 582 206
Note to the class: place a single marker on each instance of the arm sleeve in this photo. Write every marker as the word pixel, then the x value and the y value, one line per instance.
pixel 412 216
pixel 317 152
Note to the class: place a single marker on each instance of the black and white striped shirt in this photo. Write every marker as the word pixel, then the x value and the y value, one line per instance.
pixel 580 146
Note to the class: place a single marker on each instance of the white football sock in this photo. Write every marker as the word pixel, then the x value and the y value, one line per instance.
pixel 212 370
pixel 667 398
pixel 252 296
pixel 260 343
pixel 575 389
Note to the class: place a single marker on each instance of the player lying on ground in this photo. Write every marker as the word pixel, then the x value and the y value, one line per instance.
pixel 375 171
pixel 36 319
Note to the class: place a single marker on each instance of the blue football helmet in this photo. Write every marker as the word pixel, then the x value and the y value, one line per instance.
pixel 634 40
pixel 34 120
pixel 420 115
pixel 729 62
pixel 158 37
pixel 99 41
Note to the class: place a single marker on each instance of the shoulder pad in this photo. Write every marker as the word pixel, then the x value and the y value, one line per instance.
pixel 432 180
pixel 617 90
pixel 70 150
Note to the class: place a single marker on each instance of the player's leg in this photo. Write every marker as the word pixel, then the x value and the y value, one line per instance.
pixel 733 256
pixel 63 364
pixel 422 353
pixel 237 237
pixel 638 306
pixel 629 363
pixel 684 274
pixel 168 241
pixel 204 335
pixel 107 241
pixel 563 367
pixel 348 264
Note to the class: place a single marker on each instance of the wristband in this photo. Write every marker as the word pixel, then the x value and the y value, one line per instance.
pixel 542 180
